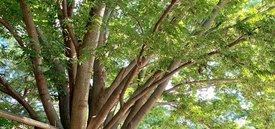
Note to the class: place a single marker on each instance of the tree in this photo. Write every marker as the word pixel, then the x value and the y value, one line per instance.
pixel 106 64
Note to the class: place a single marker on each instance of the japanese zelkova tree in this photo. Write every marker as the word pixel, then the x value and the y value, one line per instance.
pixel 128 64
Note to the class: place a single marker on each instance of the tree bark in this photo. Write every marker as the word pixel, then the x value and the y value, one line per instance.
pixel 99 77
pixel 37 62
pixel 63 94
pixel 99 119
pixel 71 44
pixel 84 70
pixel 150 102
pixel 142 100
pixel 26 121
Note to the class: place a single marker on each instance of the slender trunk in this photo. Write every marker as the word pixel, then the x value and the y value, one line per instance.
pixel 206 25
pixel 98 87
pixel 37 70
pixel 99 78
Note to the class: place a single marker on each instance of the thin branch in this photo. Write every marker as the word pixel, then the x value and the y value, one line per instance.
pixel 234 43
pixel 65 8
pixel 99 76
pixel 7 89
pixel 130 102
pixel 70 8
pixel 164 15
pixel 211 81
pixel 140 57
pixel 67 25
pixel 214 14
pixel 140 62
pixel 138 22
pixel 13 32
pixel 69 41
pixel 26 120
pixel 160 81
pixel 208 22
pixel 171 104
pixel 247 18
pixel 156 27
pixel 213 28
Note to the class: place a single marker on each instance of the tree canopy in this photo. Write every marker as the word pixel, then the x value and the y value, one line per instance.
pixel 92 64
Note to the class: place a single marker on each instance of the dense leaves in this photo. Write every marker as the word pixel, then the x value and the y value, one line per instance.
pixel 231 42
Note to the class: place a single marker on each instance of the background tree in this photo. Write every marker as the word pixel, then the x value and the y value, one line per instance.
pixel 107 64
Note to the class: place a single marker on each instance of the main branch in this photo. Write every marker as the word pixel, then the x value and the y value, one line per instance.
pixel 37 63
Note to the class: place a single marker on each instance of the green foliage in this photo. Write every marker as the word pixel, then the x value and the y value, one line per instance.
pixel 130 26
pixel 7 124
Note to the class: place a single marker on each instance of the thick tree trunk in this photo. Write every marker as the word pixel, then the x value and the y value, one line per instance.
pixel 79 116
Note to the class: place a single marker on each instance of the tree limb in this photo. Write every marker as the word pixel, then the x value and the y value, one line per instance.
pixel 208 22
pixel 161 81
pixel 99 77
pixel 68 26
pixel 156 27
pixel 97 121
pixel 137 105
pixel 247 18
pixel 10 91
pixel 164 15
pixel 26 120
pixel 13 32
pixel 37 63
pixel 161 84
pixel 80 108
pixel 211 81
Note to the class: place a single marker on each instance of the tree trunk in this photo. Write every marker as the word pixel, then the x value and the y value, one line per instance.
pixel 79 115
pixel 37 70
